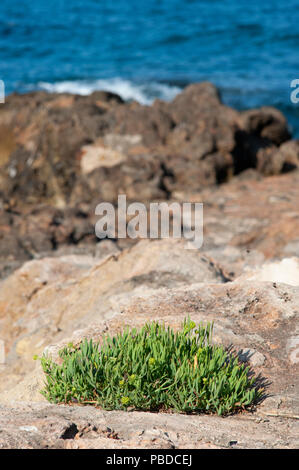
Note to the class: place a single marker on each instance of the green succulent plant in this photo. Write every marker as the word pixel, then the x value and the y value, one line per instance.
pixel 153 368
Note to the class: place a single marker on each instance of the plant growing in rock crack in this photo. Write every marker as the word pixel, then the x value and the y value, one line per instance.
pixel 152 369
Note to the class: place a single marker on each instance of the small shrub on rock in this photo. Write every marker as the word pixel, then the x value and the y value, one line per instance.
pixel 152 369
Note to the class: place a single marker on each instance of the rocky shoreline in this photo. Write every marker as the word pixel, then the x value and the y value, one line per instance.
pixel 60 155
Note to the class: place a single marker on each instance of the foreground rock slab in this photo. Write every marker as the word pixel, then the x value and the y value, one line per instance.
pixel 61 155
pixel 40 426
pixel 63 300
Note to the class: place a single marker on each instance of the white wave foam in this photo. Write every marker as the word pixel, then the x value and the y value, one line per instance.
pixel 145 93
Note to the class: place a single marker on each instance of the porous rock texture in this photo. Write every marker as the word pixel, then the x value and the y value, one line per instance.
pixel 60 155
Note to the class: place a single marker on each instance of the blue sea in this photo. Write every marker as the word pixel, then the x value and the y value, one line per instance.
pixel 153 48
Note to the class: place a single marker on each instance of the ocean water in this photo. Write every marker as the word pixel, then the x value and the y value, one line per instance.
pixel 153 48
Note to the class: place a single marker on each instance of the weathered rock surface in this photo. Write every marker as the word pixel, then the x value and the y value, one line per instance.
pixel 39 311
pixel 60 155
pixel 36 426
pixel 251 219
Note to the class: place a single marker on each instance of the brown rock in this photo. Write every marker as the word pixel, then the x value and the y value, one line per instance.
pixel 67 299
pixel 38 426
pixel 60 155
pixel 267 123
pixel 47 135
